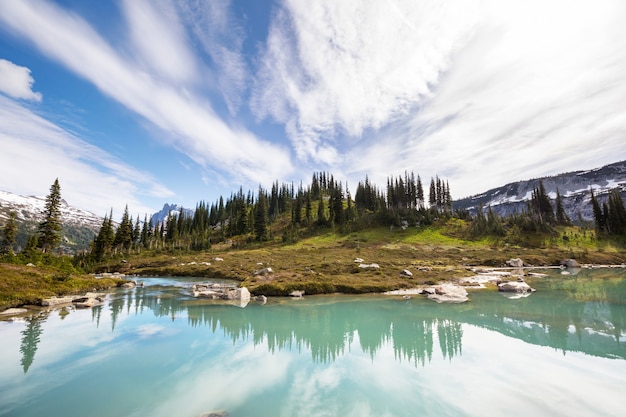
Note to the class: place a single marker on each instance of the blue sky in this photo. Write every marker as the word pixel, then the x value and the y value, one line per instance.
pixel 144 102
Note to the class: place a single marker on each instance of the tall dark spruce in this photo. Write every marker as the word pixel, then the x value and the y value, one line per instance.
pixel 50 228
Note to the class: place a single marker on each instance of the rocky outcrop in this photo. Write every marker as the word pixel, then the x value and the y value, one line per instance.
pixel 220 292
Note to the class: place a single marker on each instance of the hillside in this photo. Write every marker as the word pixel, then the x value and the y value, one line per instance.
pixel 79 226
pixel 573 186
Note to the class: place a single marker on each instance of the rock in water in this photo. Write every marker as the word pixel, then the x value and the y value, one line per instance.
pixel 515 286
pixel 515 263
pixel 570 263
pixel 446 293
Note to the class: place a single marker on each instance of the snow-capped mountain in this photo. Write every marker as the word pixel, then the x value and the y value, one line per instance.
pixel 79 226
pixel 160 216
pixel 573 186
pixel 31 209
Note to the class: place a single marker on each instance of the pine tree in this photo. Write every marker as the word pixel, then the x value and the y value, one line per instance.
pixel 598 215
pixel 124 233
pixel 50 228
pixel 260 216
pixel 10 230
pixel 561 215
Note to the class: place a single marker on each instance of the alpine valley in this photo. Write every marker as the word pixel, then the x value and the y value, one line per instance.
pixel 80 226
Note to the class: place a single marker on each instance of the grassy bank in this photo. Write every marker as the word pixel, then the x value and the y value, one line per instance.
pixel 325 263
pixel 21 285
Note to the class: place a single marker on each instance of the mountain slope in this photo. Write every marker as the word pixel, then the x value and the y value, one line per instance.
pixel 573 186
pixel 79 226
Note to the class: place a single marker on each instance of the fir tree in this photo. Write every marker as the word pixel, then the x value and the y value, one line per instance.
pixel 260 216
pixel 561 215
pixel 50 228
pixel 9 232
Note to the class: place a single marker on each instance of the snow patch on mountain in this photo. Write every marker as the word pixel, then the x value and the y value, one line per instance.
pixel 31 208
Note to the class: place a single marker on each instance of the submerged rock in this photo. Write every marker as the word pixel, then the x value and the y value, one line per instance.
pixel 13 311
pixel 216 414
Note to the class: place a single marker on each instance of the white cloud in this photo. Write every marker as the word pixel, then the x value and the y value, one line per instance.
pixel 190 123
pixel 481 93
pixel 339 68
pixel 221 37
pixel 159 39
pixel 35 152
pixel 16 81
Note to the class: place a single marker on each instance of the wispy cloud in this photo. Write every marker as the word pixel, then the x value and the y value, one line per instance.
pixel 339 68
pixel 481 92
pixel 221 36
pixel 16 81
pixel 35 152
pixel 189 122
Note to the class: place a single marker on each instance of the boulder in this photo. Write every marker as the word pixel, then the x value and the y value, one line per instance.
pixel 406 273
pixel 515 263
pixel 261 299
pixel 358 260
pixel 296 293
pixel 515 286
pixel 87 302
pixel 369 266
pixel 570 263
pixel 446 293
pixel 129 284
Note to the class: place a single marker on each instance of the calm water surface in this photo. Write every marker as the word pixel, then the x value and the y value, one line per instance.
pixel 154 351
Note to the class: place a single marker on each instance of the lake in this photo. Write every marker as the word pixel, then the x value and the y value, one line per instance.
pixel 155 351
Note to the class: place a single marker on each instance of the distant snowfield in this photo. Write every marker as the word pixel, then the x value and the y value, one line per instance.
pixel 32 207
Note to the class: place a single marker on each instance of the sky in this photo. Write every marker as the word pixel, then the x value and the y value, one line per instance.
pixel 146 102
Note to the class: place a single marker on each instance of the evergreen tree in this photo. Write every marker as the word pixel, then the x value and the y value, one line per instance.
pixel 50 228
pixel 260 217
pixel 561 215
pixel 321 216
pixel 124 233
pixel 617 213
pixel 9 232
pixel 432 195
pixel 598 215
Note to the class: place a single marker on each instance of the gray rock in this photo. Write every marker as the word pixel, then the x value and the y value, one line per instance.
pixel 369 266
pixel 129 284
pixel 515 263
pixel 446 293
pixel 406 273
pixel 55 301
pixel 261 299
pixel 515 286
pixel 296 293
pixel 570 263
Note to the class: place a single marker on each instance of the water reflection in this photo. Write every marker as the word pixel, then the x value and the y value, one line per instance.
pixel 585 314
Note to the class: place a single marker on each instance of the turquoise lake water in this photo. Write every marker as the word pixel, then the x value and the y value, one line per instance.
pixel 155 351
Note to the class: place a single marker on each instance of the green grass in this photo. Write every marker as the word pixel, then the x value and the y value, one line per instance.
pixel 21 285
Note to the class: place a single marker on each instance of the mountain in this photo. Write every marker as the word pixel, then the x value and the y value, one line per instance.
pixel 573 186
pixel 79 226
pixel 160 216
